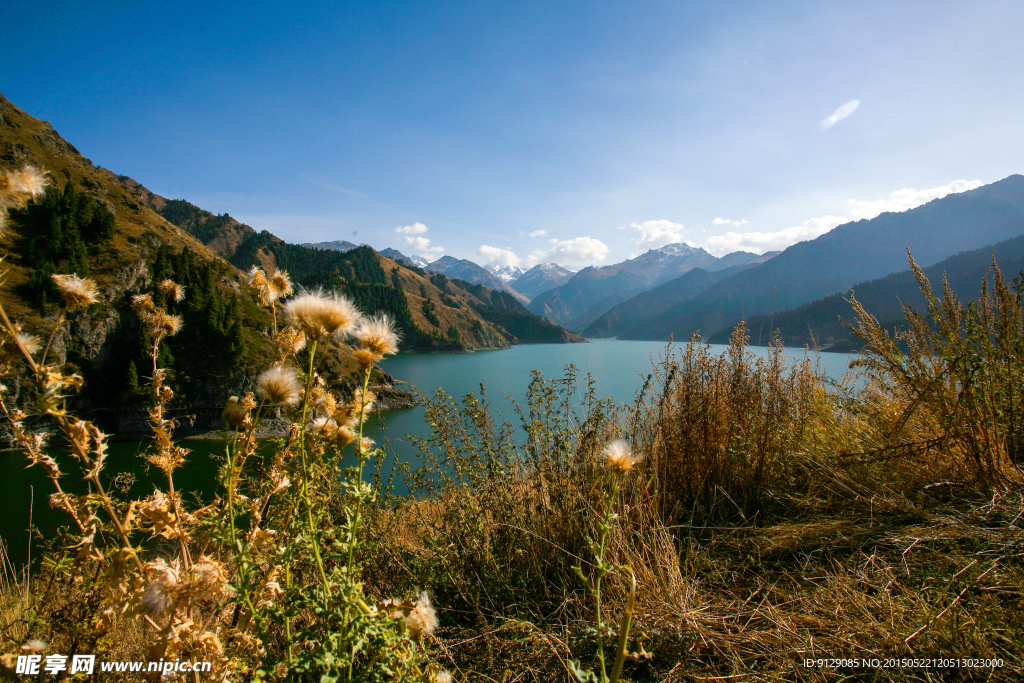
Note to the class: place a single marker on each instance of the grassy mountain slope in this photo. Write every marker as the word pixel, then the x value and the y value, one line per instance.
pixel 883 299
pixel 850 253
pixel 93 223
pixel 505 310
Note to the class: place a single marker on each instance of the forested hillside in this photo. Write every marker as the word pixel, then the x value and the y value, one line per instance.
pixel 430 315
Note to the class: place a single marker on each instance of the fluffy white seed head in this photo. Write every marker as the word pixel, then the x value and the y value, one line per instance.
pixel 76 291
pixel 620 457
pixel 173 290
pixel 340 315
pixel 30 342
pixel 319 315
pixel 377 334
pixel 279 385
pixel 281 284
pixel 422 620
pixel 17 188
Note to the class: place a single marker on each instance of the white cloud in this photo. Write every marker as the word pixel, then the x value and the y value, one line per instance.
pixel 584 250
pixel 497 256
pixel 656 234
pixel 840 114
pixel 726 221
pixel 416 242
pixel 414 229
pixel 421 245
pixel 538 233
pixel 907 198
pixel 760 242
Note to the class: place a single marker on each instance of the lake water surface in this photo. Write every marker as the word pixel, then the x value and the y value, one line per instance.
pixel 619 369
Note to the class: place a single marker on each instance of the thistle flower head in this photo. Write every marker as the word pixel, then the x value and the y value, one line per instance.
pixel 279 385
pixel 305 312
pixel 281 284
pixel 325 426
pixel 319 315
pixel 422 620
pixel 289 341
pixel 17 188
pixel 173 290
pixel 165 325
pixel 377 334
pixel 143 306
pixel 326 403
pixel 75 291
pixel 365 357
pixel 30 342
pixel 35 647
pixel 158 597
pixel 343 437
pixel 235 412
pixel 340 315
pixel 619 456
pixel 260 286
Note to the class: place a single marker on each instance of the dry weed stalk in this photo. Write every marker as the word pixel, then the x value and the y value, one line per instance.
pixel 957 377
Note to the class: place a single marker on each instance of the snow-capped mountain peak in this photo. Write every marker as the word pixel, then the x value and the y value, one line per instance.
pixel 506 273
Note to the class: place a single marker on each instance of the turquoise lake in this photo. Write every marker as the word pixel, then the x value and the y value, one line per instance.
pixel 619 369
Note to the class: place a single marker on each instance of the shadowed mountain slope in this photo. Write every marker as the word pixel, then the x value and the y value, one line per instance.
pixel 820 322
pixel 850 253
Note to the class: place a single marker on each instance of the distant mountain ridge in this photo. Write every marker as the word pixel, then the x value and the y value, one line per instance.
pixel 396 255
pixel 820 322
pixel 851 253
pixel 595 290
pixel 336 245
pixel 464 269
pixel 541 278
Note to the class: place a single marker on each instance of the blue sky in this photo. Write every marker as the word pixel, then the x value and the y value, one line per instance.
pixel 577 132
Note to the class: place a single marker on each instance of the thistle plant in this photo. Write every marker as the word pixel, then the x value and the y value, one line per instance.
pixel 263 582
pixel 619 460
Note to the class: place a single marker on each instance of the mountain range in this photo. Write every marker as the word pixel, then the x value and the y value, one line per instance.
pixel 820 323
pixel 148 233
pixel 593 291
pixel 851 253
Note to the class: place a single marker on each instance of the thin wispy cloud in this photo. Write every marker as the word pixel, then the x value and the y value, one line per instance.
pixel 727 221
pixel 840 114
pixel 349 192
pixel 898 200
pixel 907 198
